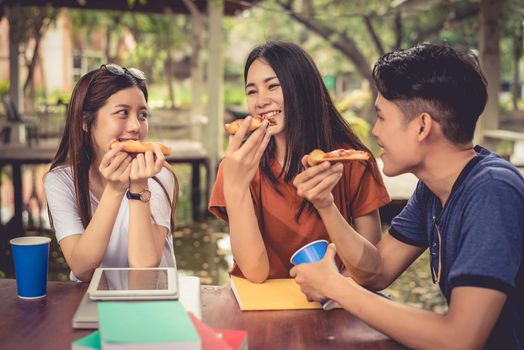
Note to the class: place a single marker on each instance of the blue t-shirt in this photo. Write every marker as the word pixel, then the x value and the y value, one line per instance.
pixel 480 233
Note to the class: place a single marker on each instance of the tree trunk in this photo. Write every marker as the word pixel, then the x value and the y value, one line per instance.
pixel 461 14
pixel 376 40
pixel 398 31
pixel 15 32
pixel 489 54
pixel 168 69
pixel 107 51
pixel 215 86
pixel 517 54
pixel 38 31
pixel 32 64
pixel 113 29
pixel 197 77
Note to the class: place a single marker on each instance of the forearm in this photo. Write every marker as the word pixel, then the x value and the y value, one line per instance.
pixel 361 258
pixel 143 250
pixel 247 244
pixel 415 328
pixel 90 248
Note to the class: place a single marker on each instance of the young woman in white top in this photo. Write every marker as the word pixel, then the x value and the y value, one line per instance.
pixel 107 207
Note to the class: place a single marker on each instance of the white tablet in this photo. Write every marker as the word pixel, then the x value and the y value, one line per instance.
pixel 134 284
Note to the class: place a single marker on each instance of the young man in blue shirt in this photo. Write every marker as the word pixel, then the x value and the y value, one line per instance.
pixel 468 209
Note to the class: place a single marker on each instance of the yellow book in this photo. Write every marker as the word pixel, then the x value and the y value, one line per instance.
pixel 273 294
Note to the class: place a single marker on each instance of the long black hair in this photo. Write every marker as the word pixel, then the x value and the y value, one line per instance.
pixel 76 149
pixel 311 119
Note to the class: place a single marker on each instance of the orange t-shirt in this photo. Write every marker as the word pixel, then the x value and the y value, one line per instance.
pixel 360 191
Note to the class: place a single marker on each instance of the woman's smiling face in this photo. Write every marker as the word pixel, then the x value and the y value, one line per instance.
pixel 264 94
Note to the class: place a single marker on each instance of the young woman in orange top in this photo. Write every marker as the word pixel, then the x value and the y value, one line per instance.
pixel 269 217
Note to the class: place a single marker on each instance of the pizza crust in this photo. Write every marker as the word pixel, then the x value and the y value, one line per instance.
pixel 131 146
pixel 233 127
pixel 318 156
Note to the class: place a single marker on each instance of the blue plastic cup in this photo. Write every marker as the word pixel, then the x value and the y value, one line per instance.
pixel 31 257
pixel 313 252
pixel 309 253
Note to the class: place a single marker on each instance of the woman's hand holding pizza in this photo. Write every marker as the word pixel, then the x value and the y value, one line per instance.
pixel 115 167
pixel 316 183
pixel 144 166
pixel 241 160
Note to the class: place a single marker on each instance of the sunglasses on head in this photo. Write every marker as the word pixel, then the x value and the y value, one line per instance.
pixel 118 70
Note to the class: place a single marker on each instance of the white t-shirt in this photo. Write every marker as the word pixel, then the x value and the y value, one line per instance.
pixel 60 193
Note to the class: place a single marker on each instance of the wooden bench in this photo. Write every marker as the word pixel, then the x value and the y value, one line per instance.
pixel 194 153
pixel 517 138
pixel 184 151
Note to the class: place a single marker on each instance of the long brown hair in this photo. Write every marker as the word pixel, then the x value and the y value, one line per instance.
pixel 312 120
pixel 76 149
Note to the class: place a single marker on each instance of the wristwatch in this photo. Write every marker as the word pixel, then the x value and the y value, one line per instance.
pixel 143 196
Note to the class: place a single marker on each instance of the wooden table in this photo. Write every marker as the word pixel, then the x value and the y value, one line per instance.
pixel 46 323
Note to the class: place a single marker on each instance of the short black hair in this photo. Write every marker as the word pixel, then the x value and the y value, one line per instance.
pixel 437 79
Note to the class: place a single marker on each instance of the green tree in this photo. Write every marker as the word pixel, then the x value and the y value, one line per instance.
pixel 513 40
pixel 157 37
pixel 27 28
pixel 108 23
pixel 368 29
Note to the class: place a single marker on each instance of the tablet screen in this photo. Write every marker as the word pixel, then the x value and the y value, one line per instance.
pixel 133 280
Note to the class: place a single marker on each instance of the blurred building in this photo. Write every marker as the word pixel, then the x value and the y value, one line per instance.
pixel 63 57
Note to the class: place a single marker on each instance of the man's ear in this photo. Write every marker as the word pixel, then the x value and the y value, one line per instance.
pixel 424 124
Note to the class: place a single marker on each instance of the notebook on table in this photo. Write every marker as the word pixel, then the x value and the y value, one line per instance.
pixel 273 294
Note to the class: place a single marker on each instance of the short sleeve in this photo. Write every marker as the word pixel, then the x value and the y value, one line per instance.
pixel 490 247
pixel 160 203
pixel 410 225
pixel 60 195
pixel 217 202
pixel 367 188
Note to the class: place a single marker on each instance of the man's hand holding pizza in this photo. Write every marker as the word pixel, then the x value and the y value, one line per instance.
pixel 322 172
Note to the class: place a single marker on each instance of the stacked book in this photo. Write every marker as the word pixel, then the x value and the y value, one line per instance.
pixel 156 325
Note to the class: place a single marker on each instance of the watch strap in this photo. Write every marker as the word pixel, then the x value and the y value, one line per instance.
pixel 131 195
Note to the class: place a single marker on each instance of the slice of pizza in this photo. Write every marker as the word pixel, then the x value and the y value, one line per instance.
pixel 132 146
pixel 318 156
pixel 256 123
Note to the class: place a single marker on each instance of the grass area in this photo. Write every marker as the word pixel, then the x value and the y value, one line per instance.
pixel 415 287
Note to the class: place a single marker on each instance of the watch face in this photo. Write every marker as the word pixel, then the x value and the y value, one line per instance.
pixel 145 196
